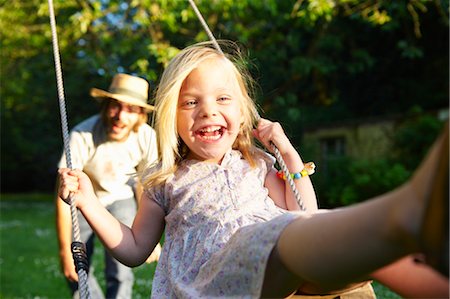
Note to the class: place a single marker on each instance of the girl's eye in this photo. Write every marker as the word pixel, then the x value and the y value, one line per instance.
pixel 189 103
pixel 223 99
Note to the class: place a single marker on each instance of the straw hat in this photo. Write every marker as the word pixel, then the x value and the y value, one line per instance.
pixel 126 88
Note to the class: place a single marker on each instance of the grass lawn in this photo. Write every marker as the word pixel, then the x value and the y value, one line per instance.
pixel 29 264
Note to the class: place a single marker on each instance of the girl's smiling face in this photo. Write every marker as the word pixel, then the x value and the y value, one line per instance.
pixel 209 110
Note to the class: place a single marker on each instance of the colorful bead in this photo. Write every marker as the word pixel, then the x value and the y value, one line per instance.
pixel 308 170
pixel 297 175
pixel 280 174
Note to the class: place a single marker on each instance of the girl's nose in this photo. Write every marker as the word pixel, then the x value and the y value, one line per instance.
pixel 208 110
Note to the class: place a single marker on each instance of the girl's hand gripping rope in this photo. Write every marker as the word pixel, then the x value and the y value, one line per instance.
pixel 271 132
pixel 297 193
pixel 78 184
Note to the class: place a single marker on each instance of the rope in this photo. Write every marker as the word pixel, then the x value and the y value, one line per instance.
pixel 205 27
pixel 275 150
pixel 78 251
pixel 286 173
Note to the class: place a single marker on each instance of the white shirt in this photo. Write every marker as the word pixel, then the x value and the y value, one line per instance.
pixel 112 166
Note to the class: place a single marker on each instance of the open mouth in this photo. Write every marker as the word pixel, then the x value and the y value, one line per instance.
pixel 211 133
pixel 115 127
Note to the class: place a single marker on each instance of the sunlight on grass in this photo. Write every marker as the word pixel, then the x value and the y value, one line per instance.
pixel 29 263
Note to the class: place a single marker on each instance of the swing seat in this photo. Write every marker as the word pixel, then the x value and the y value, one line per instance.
pixel 361 292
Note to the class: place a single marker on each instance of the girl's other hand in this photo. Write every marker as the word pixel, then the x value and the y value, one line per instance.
pixel 268 131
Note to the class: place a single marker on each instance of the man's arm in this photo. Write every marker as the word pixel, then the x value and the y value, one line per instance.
pixel 138 191
pixel 154 257
pixel 64 234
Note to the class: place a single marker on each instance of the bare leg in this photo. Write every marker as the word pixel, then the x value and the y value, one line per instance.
pixel 280 282
pixel 335 248
pixel 410 279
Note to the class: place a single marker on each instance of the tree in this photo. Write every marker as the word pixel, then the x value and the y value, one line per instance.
pixel 316 61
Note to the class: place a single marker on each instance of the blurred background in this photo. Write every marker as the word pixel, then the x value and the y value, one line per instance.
pixel 361 87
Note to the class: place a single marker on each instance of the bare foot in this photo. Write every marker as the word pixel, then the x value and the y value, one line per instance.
pixel 431 183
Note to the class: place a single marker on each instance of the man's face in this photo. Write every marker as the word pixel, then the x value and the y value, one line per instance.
pixel 121 119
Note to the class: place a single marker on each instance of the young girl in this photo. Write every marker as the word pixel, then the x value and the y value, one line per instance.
pixel 232 226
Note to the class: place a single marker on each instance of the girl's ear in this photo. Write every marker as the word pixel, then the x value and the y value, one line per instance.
pixel 242 118
pixel 241 124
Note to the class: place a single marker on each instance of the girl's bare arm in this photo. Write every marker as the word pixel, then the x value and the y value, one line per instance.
pixel 280 191
pixel 131 246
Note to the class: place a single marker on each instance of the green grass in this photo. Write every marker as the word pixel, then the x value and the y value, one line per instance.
pixel 384 293
pixel 29 263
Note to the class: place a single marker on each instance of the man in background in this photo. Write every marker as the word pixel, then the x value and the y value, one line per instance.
pixel 112 147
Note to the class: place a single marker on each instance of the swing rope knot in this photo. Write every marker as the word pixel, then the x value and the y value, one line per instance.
pixel 79 256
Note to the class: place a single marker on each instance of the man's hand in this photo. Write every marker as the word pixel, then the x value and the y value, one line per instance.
pixel 154 257
pixel 68 267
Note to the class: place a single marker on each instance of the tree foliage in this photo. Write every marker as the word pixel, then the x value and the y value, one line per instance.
pixel 316 61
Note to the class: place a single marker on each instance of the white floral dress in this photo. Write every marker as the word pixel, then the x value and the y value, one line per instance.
pixel 221 226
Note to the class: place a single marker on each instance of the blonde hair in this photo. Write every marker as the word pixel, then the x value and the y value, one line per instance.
pixel 170 146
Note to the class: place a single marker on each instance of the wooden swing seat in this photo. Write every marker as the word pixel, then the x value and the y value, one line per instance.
pixel 361 292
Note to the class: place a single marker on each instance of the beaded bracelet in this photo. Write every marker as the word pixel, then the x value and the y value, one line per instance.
pixel 309 169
